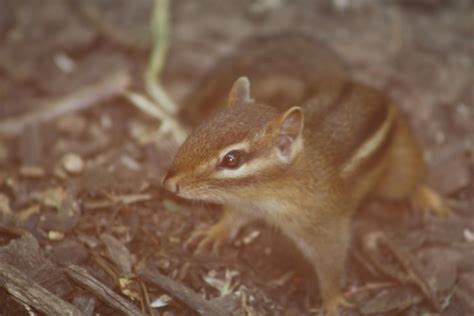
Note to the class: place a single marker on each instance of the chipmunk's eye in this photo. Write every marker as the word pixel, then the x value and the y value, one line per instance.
pixel 232 160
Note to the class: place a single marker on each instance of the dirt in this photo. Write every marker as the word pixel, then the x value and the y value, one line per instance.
pixel 83 188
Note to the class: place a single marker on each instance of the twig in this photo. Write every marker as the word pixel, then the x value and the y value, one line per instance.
pixel 160 33
pixel 397 31
pixel 168 123
pixel 32 294
pixel 160 106
pixel 145 297
pixel 81 276
pixel 183 293
pixel 113 85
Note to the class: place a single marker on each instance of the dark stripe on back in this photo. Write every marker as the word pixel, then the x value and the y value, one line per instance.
pixel 345 92
pixel 370 126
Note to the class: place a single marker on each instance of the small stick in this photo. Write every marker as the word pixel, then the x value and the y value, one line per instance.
pixel 32 294
pixel 160 105
pixel 183 293
pixel 81 276
pixel 113 85
pixel 160 32
pixel 168 122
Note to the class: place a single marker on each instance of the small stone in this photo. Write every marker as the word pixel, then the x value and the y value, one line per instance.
pixel 468 235
pixel 65 63
pixel 73 163
pixel 55 235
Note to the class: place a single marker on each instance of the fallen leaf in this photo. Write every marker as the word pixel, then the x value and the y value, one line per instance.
pixel 161 301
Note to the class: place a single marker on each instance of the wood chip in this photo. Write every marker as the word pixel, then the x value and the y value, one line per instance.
pixel 86 304
pixel 118 253
pixel 24 214
pixel 183 293
pixel 32 172
pixel 5 204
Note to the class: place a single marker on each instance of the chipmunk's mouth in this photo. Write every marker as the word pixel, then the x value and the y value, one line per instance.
pixel 203 193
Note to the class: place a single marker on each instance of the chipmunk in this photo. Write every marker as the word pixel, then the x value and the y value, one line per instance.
pixel 304 165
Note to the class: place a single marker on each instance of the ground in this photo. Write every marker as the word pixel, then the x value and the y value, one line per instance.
pixel 80 165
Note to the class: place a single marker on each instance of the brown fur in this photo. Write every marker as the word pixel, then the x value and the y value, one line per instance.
pixel 308 198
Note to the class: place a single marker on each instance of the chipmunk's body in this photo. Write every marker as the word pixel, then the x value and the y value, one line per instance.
pixel 304 168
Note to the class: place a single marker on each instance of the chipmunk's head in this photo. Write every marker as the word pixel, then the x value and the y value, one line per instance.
pixel 240 148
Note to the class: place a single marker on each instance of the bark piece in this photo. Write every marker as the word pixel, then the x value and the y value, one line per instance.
pixel 85 279
pixel 391 300
pixel 31 293
pixel 25 255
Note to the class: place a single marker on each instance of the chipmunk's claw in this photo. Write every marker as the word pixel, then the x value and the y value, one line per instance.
pixel 428 200
pixel 213 237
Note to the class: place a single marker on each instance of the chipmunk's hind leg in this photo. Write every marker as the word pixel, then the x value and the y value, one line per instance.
pixel 405 173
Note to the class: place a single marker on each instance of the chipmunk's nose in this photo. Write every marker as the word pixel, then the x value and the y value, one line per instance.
pixel 170 184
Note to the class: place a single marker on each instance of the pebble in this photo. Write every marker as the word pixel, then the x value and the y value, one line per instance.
pixel 73 163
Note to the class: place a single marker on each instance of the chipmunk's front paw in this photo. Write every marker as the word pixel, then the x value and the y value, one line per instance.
pixel 213 237
pixel 428 200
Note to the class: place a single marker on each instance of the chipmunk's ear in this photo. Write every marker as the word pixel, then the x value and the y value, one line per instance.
pixel 288 136
pixel 240 92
